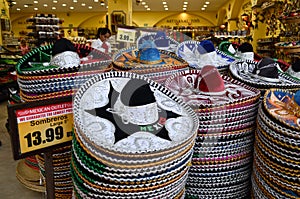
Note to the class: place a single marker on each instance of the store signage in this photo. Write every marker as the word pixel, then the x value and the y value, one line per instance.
pixel 126 35
pixel 39 127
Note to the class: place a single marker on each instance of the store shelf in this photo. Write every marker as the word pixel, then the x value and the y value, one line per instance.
pixel 44 28
pixel 266 47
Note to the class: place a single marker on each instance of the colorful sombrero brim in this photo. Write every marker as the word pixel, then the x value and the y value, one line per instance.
pixel 276 103
pixel 182 84
pixel 169 61
pixel 36 62
pixel 30 97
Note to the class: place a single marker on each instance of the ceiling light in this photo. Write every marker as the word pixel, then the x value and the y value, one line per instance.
pixel 205 6
pixel 164 2
pixel 207 2
pixel 54 1
pixel 71 8
pixel 166 8
pixel 90 7
pixel 34 9
pixel 45 5
pixel 18 9
pixel 148 9
pixel 35 1
pixel 184 6
pixel 202 8
pixel 83 4
pixel 96 1
pixel 143 3
pixel 185 2
pixel 53 8
pixel 25 5
pixel 75 1
pixel 64 5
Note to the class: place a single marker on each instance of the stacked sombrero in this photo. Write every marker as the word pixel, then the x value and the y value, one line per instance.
pixel 263 75
pixel 43 77
pixel 149 60
pixel 226 109
pixel 27 172
pixel 201 53
pixel 134 139
pixel 276 168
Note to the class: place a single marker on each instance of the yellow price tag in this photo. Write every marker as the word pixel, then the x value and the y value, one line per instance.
pixel 39 128
pixel 126 35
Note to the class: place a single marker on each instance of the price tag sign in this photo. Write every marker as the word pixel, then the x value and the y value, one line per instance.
pixel 40 126
pixel 126 35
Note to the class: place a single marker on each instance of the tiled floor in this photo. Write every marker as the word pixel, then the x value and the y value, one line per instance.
pixel 11 188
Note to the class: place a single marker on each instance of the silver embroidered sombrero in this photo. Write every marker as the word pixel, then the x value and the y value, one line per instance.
pixel 134 135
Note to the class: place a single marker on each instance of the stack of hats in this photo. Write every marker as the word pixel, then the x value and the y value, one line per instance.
pixel 43 77
pixel 134 139
pixel 226 109
pixel 28 173
pixel 263 75
pixel 202 53
pixel 148 60
pixel 276 168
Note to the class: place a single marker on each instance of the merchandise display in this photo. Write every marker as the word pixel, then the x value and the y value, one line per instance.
pixel 42 77
pixel 187 105
pixel 276 149
pixel 134 139
pixel 226 109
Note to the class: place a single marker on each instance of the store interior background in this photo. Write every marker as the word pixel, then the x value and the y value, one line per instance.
pixel 235 20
